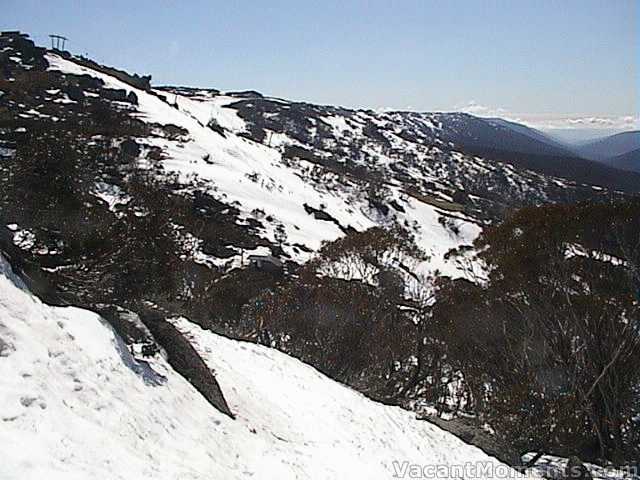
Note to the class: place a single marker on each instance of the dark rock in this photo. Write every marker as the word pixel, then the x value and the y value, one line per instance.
pixel 137 81
pixel 379 206
pixel 318 214
pixel 116 95
pixel 215 126
pixel 246 94
pixel 325 216
pixel 119 95
pixel 74 93
pixel 87 82
pixel 397 206
pixel 130 149
pixel 6 348
pixel 149 350
pixel 155 153
pixel 214 249
pixel 471 432
pixel 132 98
pixel 185 360
pixel 174 132
pixel 126 324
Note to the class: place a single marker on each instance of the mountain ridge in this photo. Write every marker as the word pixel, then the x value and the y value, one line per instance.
pixel 610 146
pixel 629 161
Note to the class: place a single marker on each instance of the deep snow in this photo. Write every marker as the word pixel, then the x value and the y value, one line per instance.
pixel 74 404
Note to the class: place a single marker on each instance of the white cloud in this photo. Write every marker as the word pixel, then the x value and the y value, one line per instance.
pixel 605 122
pixel 572 122
pixel 543 121
pixel 553 121
pixel 474 108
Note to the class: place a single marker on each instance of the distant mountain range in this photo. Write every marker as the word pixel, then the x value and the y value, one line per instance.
pixel 619 151
pixel 595 162
pixel 629 161
pixel 610 147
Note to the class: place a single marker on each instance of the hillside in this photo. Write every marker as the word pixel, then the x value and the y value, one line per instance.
pixel 609 147
pixel 629 161
pixel 76 404
pixel 559 148
pixel 252 168
pixel 356 140
pixel 379 247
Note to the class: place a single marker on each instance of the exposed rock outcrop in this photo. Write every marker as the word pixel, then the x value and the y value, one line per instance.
pixel 185 359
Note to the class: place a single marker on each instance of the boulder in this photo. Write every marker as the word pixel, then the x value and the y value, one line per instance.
pixel 74 93
pixel 185 359
pixel 129 149
pixel 114 94
pixel 132 98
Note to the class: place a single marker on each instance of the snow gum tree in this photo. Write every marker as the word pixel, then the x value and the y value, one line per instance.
pixel 546 343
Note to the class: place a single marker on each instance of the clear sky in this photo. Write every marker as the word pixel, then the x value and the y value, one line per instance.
pixel 539 60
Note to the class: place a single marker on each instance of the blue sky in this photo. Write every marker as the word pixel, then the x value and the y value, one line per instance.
pixel 545 61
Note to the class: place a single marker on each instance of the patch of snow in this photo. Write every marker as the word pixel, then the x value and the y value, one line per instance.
pixel 550 466
pixel 111 194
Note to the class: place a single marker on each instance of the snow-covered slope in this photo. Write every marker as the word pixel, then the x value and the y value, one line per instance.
pixel 312 172
pixel 74 404
pixel 255 178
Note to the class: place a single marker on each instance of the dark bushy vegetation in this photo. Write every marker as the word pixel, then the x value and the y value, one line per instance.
pixel 540 350
pixel 343 312
pixel 546 344
pixel 125 254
